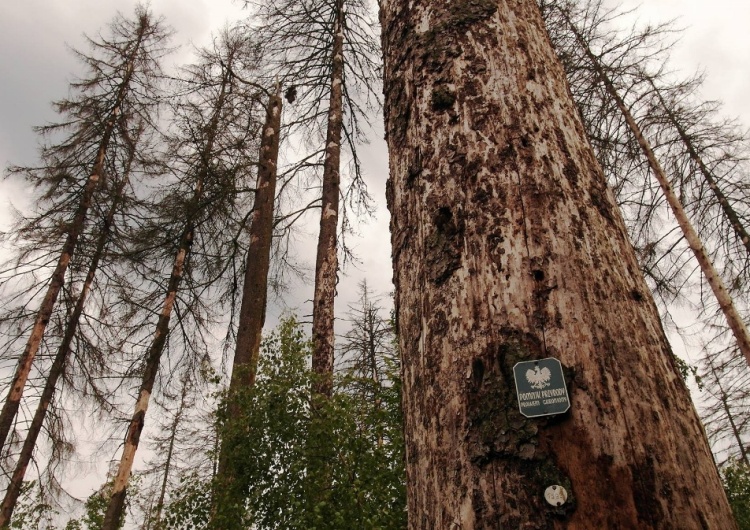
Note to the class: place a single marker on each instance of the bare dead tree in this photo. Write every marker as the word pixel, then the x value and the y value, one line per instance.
pixel 325 52
pixel 210 154
pixel 74 168
pixel 610 70
pixel 255 287
pixel 368 345
pixel 724 379
pixel 71 328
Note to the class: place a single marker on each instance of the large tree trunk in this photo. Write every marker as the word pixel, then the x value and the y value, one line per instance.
pixel 58 365
pixel 736 324
pixel 508 247
pixel 255 289
pixel 12 402
pixel 326 263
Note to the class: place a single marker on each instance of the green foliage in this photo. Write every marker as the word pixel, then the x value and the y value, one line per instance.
pixel 736 477
pixel 687 371
pixel 96 507
pixel 332 464
pixel 190 505
pixel 32 511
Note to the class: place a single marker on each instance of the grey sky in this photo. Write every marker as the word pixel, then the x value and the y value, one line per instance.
pixel 35 67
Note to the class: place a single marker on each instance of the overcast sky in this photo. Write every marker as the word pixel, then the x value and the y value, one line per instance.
pixel 35 68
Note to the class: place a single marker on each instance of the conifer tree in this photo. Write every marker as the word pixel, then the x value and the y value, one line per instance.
pixel 209 158
pixel 324 52
pixel 64 348
pixel 123 66
pixel 604 75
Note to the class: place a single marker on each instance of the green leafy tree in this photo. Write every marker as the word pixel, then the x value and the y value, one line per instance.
pixel 338 464
pixel 736 478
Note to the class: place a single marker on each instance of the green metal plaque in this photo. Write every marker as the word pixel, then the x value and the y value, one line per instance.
pixel 540 388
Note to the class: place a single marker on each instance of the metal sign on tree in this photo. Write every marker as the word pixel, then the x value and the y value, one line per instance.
pixel 540 387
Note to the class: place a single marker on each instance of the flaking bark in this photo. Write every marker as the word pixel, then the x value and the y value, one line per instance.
pixel 507 246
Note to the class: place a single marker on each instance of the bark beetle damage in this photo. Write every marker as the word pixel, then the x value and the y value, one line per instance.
pixel 440 42
pixel 443 247
pixel 644 492
pixel 497 431
pixel 400 114
pixel 443 97
pixel 135 433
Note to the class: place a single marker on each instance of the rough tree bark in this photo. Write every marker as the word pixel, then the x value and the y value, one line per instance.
pixel 25 361
pixel 153 356
pixel 507 246
pixel 326 263
pixel 736 324
pixel 63 350
pixel 255 289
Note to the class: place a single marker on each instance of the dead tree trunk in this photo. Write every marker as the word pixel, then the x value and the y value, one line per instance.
pixel 255 289
pixel 254 292
pixel 507 247
pixel 153 357
pixel 326 263
pixel 58 365
pixel 736 324
pixel 734 220
pixel 12 402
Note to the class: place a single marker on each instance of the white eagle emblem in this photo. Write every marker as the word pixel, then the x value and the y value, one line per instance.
pixel 539 378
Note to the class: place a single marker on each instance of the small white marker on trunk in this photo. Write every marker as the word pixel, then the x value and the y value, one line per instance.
pixel 556 495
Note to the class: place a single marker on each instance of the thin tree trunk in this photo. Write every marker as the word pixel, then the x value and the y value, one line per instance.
pixel 58 365
pixel 508 247
pixel 712 276
pixel 730 417
pixel 253 308
pixel 117 502
pixel 168 462
pixel 116 505
pixel 726 207
pixel 326 262
pixel 10 407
